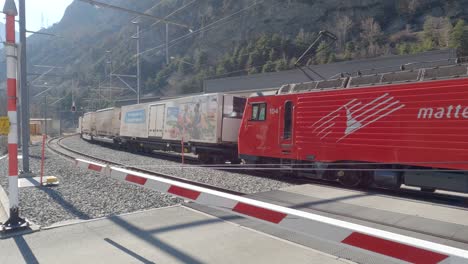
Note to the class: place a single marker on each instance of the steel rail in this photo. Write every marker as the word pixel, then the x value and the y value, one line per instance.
pixel 434 198
pixel 453 201
pixel 166 176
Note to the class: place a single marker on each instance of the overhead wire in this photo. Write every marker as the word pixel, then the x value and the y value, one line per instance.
pixel 127 40
pixel 124 41
pixel 205 28
pixel 151 27
pixel 202 29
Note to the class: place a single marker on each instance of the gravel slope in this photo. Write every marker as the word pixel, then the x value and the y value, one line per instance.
pixel 81 194
pixel 225 179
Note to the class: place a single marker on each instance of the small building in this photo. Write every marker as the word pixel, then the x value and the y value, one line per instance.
pixel 39 126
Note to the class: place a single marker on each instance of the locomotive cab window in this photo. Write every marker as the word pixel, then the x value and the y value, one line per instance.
pixel 258 112
pixel 288 115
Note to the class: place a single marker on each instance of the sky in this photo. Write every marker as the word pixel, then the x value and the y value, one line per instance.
pixel 42 12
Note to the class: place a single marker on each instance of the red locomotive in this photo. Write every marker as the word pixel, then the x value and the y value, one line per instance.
pixel 407 127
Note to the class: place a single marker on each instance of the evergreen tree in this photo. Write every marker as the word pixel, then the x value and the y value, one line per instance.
pixel 183 67
pixel 252 70
pixel 292 62
pixel 201 59
pixel 273 55
pixel 331 58
pixel 323 53
pixel 349 50
pixel 242 58
pixel 269 67
pixel 281 65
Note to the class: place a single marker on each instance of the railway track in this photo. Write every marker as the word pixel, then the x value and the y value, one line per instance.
pixel 55 144
pixel 459 202
pixel 404 194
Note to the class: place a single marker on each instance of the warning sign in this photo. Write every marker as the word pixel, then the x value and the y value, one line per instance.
pixel 4 125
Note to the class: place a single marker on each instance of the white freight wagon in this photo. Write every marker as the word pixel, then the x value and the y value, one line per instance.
pixel 108 122
pixel 134 121
pixel 88 124
pixel 206 125
pixel 80 125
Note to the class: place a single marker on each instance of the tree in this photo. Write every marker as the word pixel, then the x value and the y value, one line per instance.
pixel 349 50
pixel 242 57
pixel 292 62
pixel 437 31
pixel 459 38
pixel 331 58
pixel 269 67
pixel 403 48
pixel 273 55
pixel 183 67
pixel 221 69
pixel 323 53
pixel 201 58
pixel 343 25
pixel 408 7
pixel 281 65
pixel 254 60
pixel 161 78
pixel 252 70
pixel 224 66
pixel 371 33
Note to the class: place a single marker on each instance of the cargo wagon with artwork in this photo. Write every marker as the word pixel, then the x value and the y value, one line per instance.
pixel 206 125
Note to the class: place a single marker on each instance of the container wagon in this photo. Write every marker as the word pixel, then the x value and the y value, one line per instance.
pixel 107 123
pixel 206 125
pixel 88 125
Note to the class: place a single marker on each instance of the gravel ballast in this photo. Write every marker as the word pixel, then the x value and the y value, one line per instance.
pixel 81 194
pixel 239 182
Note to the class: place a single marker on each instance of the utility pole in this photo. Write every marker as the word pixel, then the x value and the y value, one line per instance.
pixel 24 88
pixel 137 37
pixel 110 73
pixel 18 95
pixel 167 43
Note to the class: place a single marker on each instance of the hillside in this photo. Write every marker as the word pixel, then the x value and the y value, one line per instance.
pixel 230 37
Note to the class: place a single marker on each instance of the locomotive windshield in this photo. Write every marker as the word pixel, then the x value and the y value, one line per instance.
pixel 258 112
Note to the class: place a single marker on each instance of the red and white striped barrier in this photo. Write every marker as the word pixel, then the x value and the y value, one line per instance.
pixel 14 220
pixel 389 244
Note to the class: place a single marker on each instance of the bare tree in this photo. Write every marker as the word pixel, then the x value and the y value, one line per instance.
pixel 446 31
pixel 370 32
pixel 343 25
pixel 437 31
pixel 413 5
pixel 408 7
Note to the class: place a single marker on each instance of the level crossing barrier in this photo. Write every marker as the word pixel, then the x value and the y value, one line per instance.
pixel 401 247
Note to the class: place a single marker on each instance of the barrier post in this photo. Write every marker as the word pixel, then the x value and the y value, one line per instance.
pixel 182 143
pixel 14 221
pixel 44 138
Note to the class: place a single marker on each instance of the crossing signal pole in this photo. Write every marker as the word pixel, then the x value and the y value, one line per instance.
pixel 14 221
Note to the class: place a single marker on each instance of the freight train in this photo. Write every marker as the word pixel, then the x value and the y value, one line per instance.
pixel 205 125
pixel 406 127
